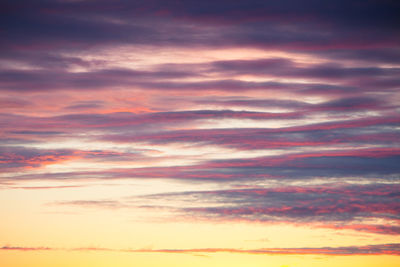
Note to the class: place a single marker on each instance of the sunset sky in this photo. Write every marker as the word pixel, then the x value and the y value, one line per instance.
pixel 199 133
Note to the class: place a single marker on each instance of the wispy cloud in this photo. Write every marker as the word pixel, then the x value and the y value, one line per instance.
pixel 387 249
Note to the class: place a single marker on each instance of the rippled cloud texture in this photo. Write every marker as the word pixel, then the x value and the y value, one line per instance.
pixel 257 128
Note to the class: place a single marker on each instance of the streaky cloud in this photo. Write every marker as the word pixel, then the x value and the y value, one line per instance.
pixel 381 249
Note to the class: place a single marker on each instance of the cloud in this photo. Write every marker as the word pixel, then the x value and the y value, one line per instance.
pixel 45 80
pixel 44 187
pixel 388 249
pixel 369 228
pixel 25 248
pixel 338 207
pixel 30 81
pixel 109 204
pixel 282 67
pixel 83 105
pixel 42 43
pixel 386 55
pixel 381 249
pixel 335 164
pixel 368 130
pixel 82 24
pixel 294 102
pixel 13 158
pixel 18 128
pixel 371 208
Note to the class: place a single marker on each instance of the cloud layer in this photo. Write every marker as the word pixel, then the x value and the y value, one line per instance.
pixel 284 112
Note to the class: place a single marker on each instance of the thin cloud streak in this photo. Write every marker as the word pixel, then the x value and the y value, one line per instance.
pixel 382 249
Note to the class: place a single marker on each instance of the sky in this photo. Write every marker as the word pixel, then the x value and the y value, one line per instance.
pixel 199 133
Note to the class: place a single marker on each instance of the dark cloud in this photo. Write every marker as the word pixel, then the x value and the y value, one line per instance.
pixel 367 164
pixel 362 162
pixel 47 60
pixel 369 56
pixel 373 130
pixel 82 105
pixel 118 122
pixel 330 205
pixel 165 80
pixel 280 67
pixel 44 80
pixel 305 26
